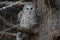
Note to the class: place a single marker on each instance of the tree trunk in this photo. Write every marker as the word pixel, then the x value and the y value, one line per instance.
pixel 47 22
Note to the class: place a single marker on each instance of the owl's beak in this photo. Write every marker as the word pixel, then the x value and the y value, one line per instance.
pixel 29 11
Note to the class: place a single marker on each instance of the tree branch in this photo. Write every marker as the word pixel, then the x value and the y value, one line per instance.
pixel 10 4
pixel 24 30
pixel 10 34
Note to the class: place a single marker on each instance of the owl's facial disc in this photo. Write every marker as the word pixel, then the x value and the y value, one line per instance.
pixel 29 8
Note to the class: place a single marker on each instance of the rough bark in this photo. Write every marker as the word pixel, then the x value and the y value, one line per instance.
pixel 49 22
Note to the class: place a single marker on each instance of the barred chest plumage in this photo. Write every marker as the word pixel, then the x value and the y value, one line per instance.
pixel 28 21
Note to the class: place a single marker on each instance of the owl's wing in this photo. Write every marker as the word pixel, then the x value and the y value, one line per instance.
pixel 20 15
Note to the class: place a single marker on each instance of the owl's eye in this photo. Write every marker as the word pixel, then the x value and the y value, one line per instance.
pixel 31 8
pixel 27 8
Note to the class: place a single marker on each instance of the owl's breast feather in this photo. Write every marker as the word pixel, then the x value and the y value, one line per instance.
pixel 27 21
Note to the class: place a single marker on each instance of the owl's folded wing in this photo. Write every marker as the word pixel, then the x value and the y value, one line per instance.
pixel 20 15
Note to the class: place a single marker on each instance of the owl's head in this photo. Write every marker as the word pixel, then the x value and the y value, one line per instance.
pixel 28 8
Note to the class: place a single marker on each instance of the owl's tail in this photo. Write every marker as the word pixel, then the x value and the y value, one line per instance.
pixel 19 36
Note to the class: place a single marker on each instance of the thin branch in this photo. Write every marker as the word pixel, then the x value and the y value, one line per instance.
pixel 24 30
pixel 2 20
pixel 10 34
pixel 10 4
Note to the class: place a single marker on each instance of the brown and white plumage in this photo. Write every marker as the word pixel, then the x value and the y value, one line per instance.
pixel 27 17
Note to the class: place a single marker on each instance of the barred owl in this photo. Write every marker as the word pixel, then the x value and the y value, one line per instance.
pixel 28 16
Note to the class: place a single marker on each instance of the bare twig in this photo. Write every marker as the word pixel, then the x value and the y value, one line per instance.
pixel 5 22
pixel 10 4
pixel 24 30
pixel 6 33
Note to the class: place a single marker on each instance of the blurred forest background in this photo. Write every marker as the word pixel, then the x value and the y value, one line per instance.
pixel 48 27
